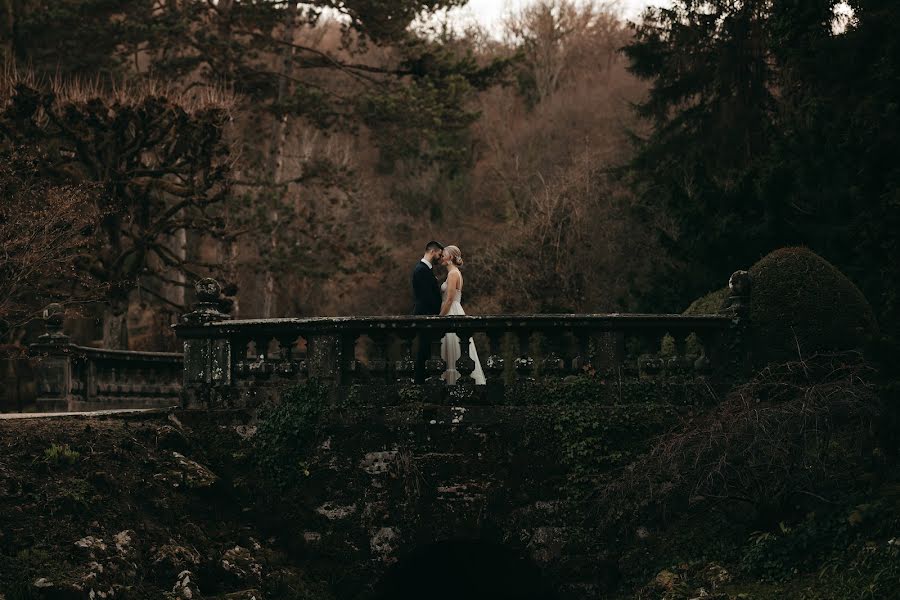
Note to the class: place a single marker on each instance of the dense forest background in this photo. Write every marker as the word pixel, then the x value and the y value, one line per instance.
pixel 304 152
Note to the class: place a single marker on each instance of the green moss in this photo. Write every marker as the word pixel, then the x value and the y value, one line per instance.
pixel 801 305
pixel 709 304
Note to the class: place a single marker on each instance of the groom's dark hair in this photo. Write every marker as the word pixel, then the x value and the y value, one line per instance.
pixel 433 245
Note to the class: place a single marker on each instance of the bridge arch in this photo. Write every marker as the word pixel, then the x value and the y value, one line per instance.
pixel 472 569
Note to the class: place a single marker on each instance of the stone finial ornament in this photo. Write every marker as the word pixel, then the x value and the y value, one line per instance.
pixel 53 321
pixel 208 302
pixel 739 287
pixel 208 290
pixel 739 283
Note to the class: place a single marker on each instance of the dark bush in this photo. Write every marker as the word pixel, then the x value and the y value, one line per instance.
pixel 802 305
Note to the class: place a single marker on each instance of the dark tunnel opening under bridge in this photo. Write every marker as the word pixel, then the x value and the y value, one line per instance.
pixel 471 570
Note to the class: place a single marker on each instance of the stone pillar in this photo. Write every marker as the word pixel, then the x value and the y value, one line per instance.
pixel 54 368
pixel 739 360
pixel 207 360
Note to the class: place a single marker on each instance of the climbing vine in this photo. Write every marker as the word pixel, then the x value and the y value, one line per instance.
pixel 287 434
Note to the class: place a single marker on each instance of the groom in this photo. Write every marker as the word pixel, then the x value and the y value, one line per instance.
pixel 427 297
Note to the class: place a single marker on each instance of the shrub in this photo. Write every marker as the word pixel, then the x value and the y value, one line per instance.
pixel 61 454
pixel 801 305
pixel 794 430
pixel 709 304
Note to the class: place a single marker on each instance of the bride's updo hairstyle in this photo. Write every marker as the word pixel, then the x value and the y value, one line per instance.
pixel 455 255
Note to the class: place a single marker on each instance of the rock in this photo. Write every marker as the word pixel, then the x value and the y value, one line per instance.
pixel 665 580
pixel 196 476
pixel 169 438
pixel 715 575
pixel 94 546
pixel 123 540
pixel 43 582
pixel 172 558
pixel 245 432
pixel 334 511
pixel 185 586
pixel 383 543
pixel 241 565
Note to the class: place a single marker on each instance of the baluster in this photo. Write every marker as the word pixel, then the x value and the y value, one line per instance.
pixel 581 364
pixel 650 363
pixel 495 365
pixel 524 362
pixel 261 367
pixel 464 364
pixel 678 364
pixel 405 367
pixel 435 365
pixel 242 364
pixel 378 366
pixel 703 365
pixel 349 364
pixel 287 366
pixel 553 365
pixel 628 364
pixel 464 388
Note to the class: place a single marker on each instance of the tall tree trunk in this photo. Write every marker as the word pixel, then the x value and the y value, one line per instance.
pixel 279 139
pixel 232 249
pixel 115 326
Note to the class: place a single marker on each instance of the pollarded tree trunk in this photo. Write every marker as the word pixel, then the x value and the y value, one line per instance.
pixel 115 326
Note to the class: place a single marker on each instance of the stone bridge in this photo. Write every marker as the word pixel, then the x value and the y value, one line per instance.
pixel 427 488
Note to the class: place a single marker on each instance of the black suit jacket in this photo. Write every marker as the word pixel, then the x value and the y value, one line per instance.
pixel 426 292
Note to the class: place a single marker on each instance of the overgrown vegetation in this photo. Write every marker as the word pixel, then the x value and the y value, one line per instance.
pixel 288 432
pixel 795 430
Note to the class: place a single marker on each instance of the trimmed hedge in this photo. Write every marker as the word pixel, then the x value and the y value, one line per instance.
pixel 709 304
pixel 800 305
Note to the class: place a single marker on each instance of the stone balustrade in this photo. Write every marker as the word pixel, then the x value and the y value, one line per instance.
pixel 242 363
pixel 78 378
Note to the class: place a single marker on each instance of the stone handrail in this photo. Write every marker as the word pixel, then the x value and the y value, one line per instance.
pixel 75 378
pixel 241 363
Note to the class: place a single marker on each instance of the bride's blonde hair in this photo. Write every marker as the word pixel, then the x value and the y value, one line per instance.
pixel 455 255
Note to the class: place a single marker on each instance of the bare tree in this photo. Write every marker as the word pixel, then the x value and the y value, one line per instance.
pixel 47 233
pixel 561 38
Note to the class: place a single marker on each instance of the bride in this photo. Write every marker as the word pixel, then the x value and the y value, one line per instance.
pixel 451 292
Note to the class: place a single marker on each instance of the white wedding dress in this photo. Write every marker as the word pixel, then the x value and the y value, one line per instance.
pixel 450 350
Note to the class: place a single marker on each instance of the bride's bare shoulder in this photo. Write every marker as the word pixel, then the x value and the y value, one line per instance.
pixel 454 278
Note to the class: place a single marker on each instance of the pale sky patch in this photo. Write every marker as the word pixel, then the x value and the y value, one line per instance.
pixel 490 13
